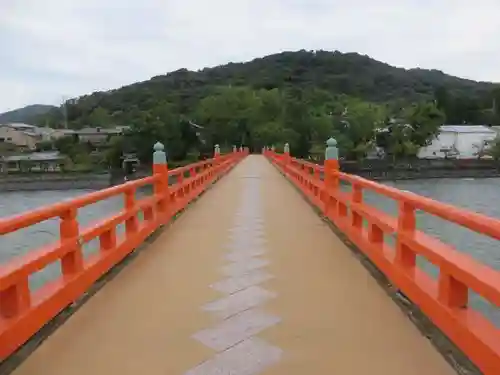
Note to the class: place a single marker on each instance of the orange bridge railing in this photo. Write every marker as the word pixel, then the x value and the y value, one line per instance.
pixel 444 300
pixel 24 311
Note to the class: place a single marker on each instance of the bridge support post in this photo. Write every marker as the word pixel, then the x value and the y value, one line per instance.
pixel 331 169
pixel 286 157
pixel 160 168
pixel 216 153
pixel 286 154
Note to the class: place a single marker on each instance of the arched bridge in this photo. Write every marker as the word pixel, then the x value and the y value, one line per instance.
pixel 251 278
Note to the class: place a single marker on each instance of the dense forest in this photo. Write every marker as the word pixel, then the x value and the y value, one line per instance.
pixel 297 97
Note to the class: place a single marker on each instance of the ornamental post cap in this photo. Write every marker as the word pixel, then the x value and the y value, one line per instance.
pixel 331 142
pixel 158 146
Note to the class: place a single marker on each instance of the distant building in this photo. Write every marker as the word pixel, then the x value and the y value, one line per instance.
pixel 26 137
pixel 95 135
pixel 19 135
pixel 41 161
pixel 459 142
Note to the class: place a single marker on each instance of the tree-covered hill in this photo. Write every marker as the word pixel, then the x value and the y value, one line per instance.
pixel 25 114
pixel 297 97
pixel 351 74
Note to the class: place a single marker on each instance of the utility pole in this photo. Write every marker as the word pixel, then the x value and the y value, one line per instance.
pixel 65 112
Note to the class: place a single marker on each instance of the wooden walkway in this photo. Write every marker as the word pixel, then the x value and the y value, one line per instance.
pixel 248 281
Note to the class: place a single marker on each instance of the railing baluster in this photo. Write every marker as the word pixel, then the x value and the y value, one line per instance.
pixel 357 197
pixel 376 235
pixel 15 299
pixel 107 240
pixel 452 292
pixel 132 223
pixel 405 255
pixel 72 261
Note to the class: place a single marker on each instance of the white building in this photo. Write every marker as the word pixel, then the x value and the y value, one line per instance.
pixel 459 142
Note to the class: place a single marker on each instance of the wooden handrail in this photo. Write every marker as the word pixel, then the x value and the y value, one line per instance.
pixel 24 311
pixel 445 301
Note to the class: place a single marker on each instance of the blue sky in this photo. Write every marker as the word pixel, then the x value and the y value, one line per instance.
pixel 52 49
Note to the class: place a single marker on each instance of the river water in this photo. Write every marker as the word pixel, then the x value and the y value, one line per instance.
pixel 478 195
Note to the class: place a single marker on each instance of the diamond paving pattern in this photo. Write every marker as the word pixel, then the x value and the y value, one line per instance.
pixel 239 352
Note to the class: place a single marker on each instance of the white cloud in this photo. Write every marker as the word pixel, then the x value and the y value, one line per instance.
pixel 53 48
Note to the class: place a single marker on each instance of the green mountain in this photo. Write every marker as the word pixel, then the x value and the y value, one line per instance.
pixel 351 74
pixel 26 114
pixel 297 97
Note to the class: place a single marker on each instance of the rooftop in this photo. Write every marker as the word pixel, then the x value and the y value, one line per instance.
pixel 467 129
pixel 95 130
pixel 19 125
pixel 36 156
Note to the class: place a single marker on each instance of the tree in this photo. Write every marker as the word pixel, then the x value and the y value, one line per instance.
pixel 424 120
pixel 71 147
pixel 395 139
pixel 494 149
pixel 113 155
pixel 45 146
pixel 355 127
pixel 65 145
pixel 99 117
pixel 415 128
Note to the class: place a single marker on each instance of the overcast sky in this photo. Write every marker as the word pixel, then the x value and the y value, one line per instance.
pixel 55 48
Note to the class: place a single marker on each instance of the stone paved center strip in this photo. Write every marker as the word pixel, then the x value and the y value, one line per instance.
pixel 236 329
pixel 250 357
pixel 240 353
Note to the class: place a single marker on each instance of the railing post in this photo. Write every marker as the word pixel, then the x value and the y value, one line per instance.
pixel 132 223
pixel 15 299
pixel 160 169
pixel 216 153
pixel 357 197
pixel 241 149
pixel 286 154
pixel 331 169
pixel 214 171
pixel 285 161
pixel 72 261
pixel 235 150
pixel 405 256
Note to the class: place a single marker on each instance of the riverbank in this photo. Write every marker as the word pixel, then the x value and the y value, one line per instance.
pixel 54 181
pixel 381 170
pixel 390 175
pixel 377 170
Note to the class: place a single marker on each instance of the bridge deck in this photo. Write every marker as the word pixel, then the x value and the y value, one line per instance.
pixel 248 281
